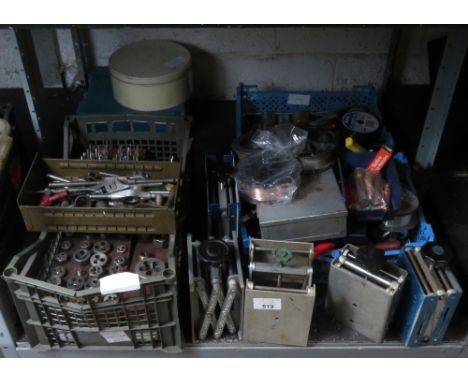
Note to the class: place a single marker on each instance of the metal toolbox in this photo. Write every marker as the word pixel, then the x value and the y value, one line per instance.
pixel 317 212
pixel 216 293
pixel 279 295
pixel 363 298
pixel 160 220
pixel 59 316
pixel 430 297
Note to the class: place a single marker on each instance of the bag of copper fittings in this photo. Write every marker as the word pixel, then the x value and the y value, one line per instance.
pixel 268 176
pixel 368 191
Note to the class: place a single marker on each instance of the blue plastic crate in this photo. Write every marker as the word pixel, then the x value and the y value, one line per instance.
pixel 250 100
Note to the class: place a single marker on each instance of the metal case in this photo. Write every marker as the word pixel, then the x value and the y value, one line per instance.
pixel 429 300
pixel 359 299
pixel 279 298
pixel 317 212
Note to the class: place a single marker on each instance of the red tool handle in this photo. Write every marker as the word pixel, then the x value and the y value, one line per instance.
pixel 380 159
pixel 321 248
pixel 389 245
pixel 48 200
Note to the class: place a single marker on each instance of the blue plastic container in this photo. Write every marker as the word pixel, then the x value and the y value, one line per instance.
pixel 250 100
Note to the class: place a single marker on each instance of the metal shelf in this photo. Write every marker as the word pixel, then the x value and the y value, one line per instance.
pixel 327 339
pixel 321 349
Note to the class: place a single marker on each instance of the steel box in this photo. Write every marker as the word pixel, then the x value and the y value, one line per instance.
pixel 317 212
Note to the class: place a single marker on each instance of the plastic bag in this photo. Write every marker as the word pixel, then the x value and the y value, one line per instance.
pixel 368 191
pixel 268 176
pixel 281 137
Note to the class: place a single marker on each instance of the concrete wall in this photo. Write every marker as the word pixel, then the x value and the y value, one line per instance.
pixel 9 77
pixel 282 58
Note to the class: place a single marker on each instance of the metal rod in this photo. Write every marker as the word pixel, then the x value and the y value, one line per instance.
pixel 275 289
pixel 226 309
pixel 229 321
pixel 201 290
pixel 364 272
pixel 277 268
pixel 419 272
pixel 434 284
pixel 58 178
pixel 443 277
pixel 263 249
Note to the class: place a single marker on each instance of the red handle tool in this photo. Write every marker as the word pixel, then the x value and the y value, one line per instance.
pixel 47 200
pixel 321 248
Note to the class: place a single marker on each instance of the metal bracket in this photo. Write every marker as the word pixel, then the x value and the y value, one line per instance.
pixel 441 99
pixel 79 56
pixel 7 329
pixel 29 73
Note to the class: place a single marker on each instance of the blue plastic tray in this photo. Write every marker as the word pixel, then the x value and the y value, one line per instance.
pixel 250 100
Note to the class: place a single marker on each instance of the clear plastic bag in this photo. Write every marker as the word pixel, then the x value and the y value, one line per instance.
pixel 281 137
pixel 268 176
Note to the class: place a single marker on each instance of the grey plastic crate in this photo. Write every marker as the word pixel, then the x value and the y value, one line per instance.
pixel 166 137
pixel 54 316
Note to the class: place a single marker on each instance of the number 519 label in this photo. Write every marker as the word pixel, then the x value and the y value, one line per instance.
pixel 267 303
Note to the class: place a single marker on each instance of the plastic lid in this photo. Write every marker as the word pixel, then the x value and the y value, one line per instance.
pixel 150 62
pixel 5 127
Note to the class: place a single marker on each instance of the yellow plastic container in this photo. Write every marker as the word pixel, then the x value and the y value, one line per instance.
pixel 151 75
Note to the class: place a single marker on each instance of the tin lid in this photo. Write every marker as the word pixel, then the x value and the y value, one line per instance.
pixel 150 62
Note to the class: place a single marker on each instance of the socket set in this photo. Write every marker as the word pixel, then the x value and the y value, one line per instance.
pixel 78 261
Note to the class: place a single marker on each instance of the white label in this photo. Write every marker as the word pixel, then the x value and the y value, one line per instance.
pixel 267 303
pixel 175 62
pixel 120 282
pixel 115 336
pixel 299 99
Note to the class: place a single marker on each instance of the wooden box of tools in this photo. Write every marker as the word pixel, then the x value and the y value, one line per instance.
pixel 100 217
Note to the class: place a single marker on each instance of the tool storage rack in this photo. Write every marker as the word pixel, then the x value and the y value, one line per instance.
pixel 324 341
